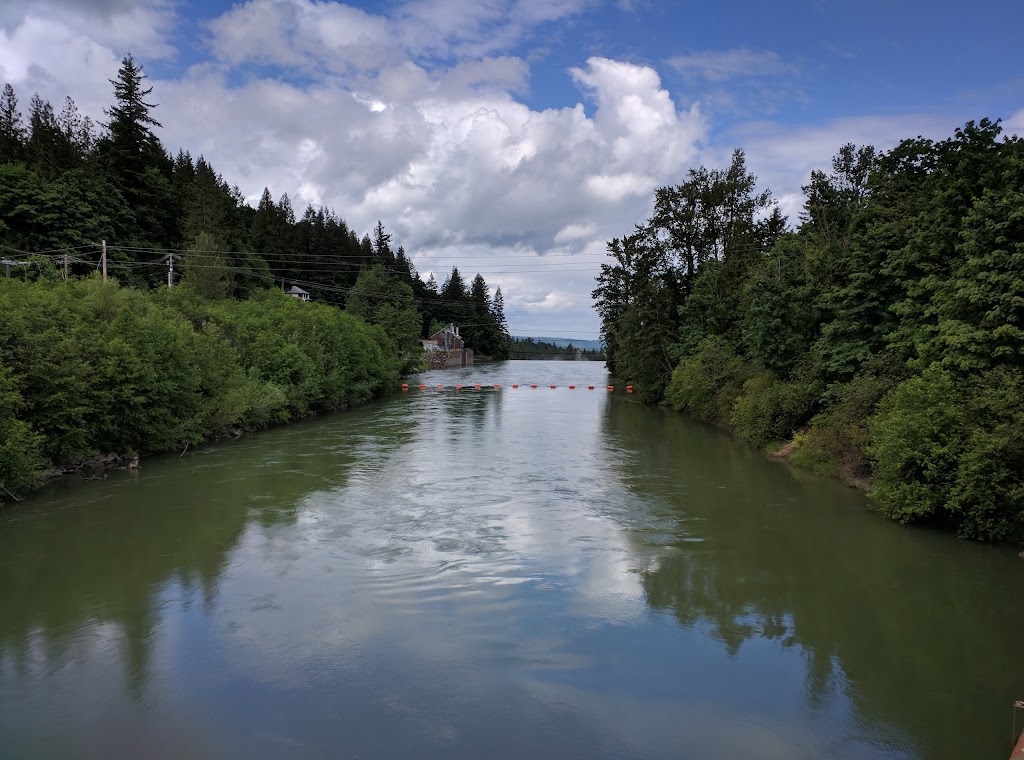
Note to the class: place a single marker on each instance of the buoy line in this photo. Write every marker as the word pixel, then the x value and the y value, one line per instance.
pixel 497 386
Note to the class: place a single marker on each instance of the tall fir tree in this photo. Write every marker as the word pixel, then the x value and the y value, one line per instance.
pixel 12 128
pixel 134 157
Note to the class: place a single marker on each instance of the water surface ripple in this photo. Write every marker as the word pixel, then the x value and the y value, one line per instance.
pixel 501 574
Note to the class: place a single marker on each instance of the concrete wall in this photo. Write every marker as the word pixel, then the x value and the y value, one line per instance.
pixel 449 359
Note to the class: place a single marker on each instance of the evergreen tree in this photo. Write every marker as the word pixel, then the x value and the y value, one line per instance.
pixel 78 130
pixel 206 269
pixel 12 128
pixel 504 338
pixel 454 288
pixel 47 148
pixel 134 157
pixel 207 204
pixel 480 296
pixel 382 247
pixel 404 268
pixel 130 139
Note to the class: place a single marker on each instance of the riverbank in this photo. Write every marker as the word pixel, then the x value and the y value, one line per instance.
pixel 90 370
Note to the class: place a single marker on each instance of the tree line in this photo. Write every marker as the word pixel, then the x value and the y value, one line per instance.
pixel 528 348
pixel 881 339
pixel 67 183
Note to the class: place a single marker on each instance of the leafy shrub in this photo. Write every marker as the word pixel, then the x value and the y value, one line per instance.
pixel 953 448
pixel 917 438
pixel 89 366
pixel 988 495
pixel 769 410
pixel 835 442
pixel 707 383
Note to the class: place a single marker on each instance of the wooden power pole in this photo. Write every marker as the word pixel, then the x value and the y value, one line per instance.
pixel 103 259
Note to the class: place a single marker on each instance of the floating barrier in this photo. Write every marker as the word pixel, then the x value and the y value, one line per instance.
pixel 497 386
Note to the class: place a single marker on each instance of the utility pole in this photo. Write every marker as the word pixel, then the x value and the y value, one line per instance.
pixel 170 270
pixel 8 263
pixel 65 266
pixel 103 259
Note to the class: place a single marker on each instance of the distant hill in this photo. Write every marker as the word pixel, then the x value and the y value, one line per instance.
pixel 563 342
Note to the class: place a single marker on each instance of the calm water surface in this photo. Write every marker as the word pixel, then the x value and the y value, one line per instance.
pixel 495 574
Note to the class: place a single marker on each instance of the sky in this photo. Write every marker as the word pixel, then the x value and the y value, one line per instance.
pixel 516 137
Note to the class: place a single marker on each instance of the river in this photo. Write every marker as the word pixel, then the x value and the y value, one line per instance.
pixel 545 573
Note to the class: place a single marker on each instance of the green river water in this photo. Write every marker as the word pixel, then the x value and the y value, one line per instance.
pixel 520 573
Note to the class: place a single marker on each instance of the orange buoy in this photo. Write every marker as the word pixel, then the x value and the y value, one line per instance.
pixel 611 388
pixel 405 386
pixel 515 385
pixel 572 387
pixel 590 387
pixel 629 389
pixel 552 386
pixel 458 387
pixel 440 387
pixel 497 387
pixel 534 385
pixel 423 387
pixel 477 386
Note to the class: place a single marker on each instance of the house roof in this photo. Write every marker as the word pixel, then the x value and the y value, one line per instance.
pixel 441 333
pixel 297 290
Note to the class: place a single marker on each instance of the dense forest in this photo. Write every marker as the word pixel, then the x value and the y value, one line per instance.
pixel 67 184
pixel 97 354
pixel 528 348
pixel 881 339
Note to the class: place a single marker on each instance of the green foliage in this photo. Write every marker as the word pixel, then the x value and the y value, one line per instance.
pixel 89 366
pixel 950 449
pixel 701 241
pixel 380 299
pixel 781 319
pixel 20 447
pixel 917 437
pixel 768 409
pixel 706 311
pixel 206 269
pixel 706 384
pixel 894 314
pixel 982 307
pixel 987 497
pixel 836 441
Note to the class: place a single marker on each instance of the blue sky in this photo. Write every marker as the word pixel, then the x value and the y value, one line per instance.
pixel 807 60
pixel 515 137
